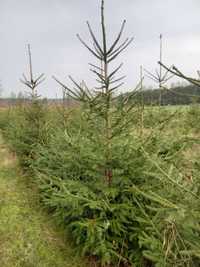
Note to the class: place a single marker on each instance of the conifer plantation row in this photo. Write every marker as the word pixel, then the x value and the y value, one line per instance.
pixel 121 178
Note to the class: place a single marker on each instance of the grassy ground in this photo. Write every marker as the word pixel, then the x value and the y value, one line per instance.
pixel 28 236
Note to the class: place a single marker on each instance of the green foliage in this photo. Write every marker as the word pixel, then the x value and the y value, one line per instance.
pixel 148 216
pixel 26 130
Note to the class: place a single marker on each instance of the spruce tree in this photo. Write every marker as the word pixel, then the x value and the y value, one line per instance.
pixel 101 100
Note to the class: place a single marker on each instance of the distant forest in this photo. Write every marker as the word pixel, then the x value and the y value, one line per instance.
pixel 180 95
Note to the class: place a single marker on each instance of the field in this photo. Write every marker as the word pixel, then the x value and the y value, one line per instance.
pixel 101 178
pixel 144 212
pixel 29 236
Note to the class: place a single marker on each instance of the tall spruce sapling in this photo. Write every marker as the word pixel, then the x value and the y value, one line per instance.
pixel 31 82
pixel 142 103
pixel 63 108
pixel 162 75
pixel 101 100
pixel 33 114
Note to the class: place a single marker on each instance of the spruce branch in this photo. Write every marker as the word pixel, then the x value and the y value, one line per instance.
pixel 117 39
pixel 175 71
pixel 94 39
pixel 92 51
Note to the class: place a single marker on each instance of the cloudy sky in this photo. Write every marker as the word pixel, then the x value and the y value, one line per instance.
pixel 50 26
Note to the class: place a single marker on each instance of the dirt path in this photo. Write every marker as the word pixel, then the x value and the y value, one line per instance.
pixel 28 237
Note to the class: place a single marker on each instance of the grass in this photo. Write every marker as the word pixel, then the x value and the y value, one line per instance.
pixel 28 236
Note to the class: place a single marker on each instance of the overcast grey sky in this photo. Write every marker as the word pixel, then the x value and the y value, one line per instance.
pixel 50 26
